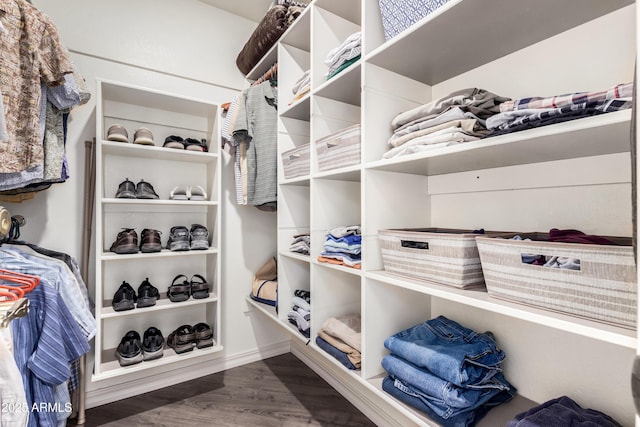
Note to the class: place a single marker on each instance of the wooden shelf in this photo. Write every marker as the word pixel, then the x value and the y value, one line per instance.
pixel 157 153
pixel 111 256
pixel 158 202
pixel 162 304
pixel 344 87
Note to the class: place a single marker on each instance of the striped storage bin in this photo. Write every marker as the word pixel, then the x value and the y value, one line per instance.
pixel 296 162
pixel 339 149
pixel 445 256
pixel 604 289
pixel 398 15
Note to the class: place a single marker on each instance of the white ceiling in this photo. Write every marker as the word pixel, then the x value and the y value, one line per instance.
pixel 250 9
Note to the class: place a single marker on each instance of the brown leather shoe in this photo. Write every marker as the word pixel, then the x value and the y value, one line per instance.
pixel 126 242
pixel 150 241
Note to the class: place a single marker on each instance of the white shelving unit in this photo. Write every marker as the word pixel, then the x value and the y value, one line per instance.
pixel 164 114
pixel 571 175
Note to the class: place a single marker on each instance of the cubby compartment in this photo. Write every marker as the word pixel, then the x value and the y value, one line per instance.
pixel 293 62
pixel 293 136
pixel 330 117
pixel 334 293
pixel 333 21
pixel 293 216
pixel 293 274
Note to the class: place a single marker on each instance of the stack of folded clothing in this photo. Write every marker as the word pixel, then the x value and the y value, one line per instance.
pixel 343 247
pixel 562 411
pixel 344 55
pixel 301 87
pixel 340 337
pixel 453 119
pixel 527 113
pixel 446 370
pixel 301 244
pixel 300 313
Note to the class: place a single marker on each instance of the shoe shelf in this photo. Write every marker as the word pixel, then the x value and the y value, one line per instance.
pixel 110 368
pixel 164 253
pixel 164 114
pixel 157 153
pixel 161 304
pixel 152 202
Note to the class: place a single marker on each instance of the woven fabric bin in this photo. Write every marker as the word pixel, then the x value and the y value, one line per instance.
pixel 339 149
pixel 399 15
pixel 604 289
pixel 296 162
pixel 445 256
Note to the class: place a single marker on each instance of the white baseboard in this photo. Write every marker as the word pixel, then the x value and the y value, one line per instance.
pixel 360 394
pixel 124 390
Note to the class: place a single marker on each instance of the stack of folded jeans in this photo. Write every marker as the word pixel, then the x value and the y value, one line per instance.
pixel 344 55
pixel 300 313
pixel 343 246
pixel 562 411
pixel 340 337
pixel 301 87
pixel 453 119
pixel 301 244
pixel 450 372
pixel 528 113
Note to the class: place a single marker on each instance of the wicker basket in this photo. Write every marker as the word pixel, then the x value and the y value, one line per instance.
pixel 604 289
pixel 339 149
pixel 296 162
pixel 445 256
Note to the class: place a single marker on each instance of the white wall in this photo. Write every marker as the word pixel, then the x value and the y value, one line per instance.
pixel 181 47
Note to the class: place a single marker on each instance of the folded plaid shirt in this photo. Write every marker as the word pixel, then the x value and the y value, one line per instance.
pixel 511 119
pixel 624 90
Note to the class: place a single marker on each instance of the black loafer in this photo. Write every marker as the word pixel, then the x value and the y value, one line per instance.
pixel 147 294
pixel 124 298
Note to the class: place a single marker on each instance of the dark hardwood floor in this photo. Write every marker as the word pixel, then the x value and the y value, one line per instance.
pixel 280 391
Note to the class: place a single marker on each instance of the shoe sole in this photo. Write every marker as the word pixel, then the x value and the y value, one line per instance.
pixel 199 245
pixel 146 196
pixel 126 195
pixel 117 138
pixel 126 249
pixel 183 348
pixel 200 295
pixel 175 145
pixel 205 343
pixel 143 141
pixel 123 306
pixel 179 246
pixel 128 361
pixel 146 302
pixel 151 247
pixel 152 355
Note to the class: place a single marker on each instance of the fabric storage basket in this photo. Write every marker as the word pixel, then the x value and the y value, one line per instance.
pixel 296 162
pixel 445 256
pixel 604 289
pixel 398 15
pixel 339 149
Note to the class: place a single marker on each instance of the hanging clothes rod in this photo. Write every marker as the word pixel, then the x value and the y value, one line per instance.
pixel 270 73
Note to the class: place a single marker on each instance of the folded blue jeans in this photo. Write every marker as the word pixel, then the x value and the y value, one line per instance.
pixel 443 397
pixel 450 351
pixel 407 395
pixel 560 412
pixel 337 354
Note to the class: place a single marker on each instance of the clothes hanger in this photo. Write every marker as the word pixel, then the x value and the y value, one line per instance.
pixel 18 308
pixel 24 282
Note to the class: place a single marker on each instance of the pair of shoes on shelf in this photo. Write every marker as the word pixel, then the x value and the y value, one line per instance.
pixel 188 337
pixel 142 190
pixel 132 349
pixel 125 297
pixel 127 241
pixel 183 192
pixel 183 239
pixel 119 133
pixel 197 288
pixel 191 144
